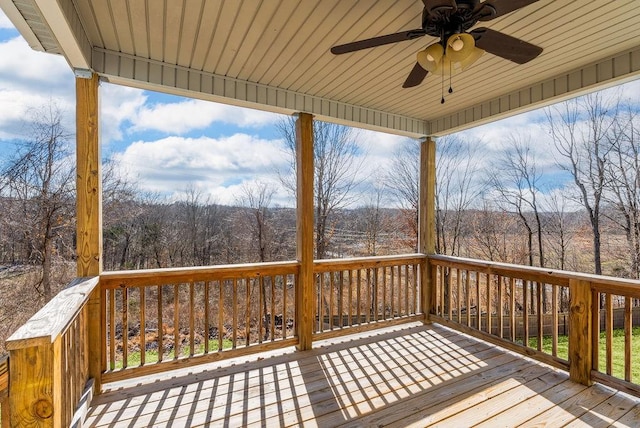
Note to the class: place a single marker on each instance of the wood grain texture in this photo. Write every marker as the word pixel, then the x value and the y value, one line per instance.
pixel 426 223
pixel 304 229
pixel 53 319
pixel 580 333
pixel 89 181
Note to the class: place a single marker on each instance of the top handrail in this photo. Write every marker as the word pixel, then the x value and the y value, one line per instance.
pixel 114 279
pixel 364 262
pixel 560 277
pixel 53 319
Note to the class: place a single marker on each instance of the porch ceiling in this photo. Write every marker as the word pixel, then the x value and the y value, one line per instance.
pixel 274 55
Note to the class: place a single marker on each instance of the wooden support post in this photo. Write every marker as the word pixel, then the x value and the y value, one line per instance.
pixel 304 230
pixel 427 223
pixel 580 331
pixel 89 211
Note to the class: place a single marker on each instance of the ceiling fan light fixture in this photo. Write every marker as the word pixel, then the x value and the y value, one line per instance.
pixel 430 58
pixel 475 55
pixel 460 46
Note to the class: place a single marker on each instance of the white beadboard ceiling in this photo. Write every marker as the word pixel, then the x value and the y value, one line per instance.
pixel 274 55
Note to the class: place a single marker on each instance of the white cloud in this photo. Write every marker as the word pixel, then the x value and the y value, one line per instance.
pixel 216 166
pixel 118 106
pixel 28 80
pixel 188 115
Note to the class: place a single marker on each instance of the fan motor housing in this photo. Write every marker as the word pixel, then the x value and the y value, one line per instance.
pixel 444 20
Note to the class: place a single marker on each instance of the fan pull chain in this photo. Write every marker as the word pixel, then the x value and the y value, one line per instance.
pixel 442 89
pixel 450 78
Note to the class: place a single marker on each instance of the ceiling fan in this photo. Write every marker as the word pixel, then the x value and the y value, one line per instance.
pixel 458 48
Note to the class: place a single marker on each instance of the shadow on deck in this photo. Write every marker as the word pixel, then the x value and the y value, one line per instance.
pixel 409 375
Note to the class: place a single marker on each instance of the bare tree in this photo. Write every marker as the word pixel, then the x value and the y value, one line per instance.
pixel 257 199
pixel 624 181
pixel 373 216
pixel 338 162
pixel 492 231
pixel 458 186
pixel 403 180
pixel 559 228
pixel 580 130
pixel 41 178
pixel 517 183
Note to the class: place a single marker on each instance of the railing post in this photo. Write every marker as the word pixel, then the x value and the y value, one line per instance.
pixel 89 211
pixel 580 331
pixel 427 223
pixel 304 230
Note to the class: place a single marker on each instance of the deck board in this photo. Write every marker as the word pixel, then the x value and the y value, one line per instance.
pixel 400 376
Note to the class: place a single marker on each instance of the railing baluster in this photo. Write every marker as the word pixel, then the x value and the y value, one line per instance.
pixel 393 292
pixel 445 285
pixel 207 324
pixel 467 288
pixel 628 326
pixel 125 328
pixel 458 293
pixel 478 302
pixel 273 308
pixel 350 293
pixel 358 295
pixel 341 299
pixel 234 305
pixel 285 309
pixel 500 307
pixel 384 293
pixel 176 321
pixel 512 308
pixel 406 290
pixel 261 304
pixel 489 317
pixel 143 326
pixel 368 298
pixel 192 342
pixel 160 326
pixel 112 329
pixel 609 333
pixel 221 287
pixel 525 311
pixel 554 320
pixel 247 325
pixel 331 308
pixel 539 290
pixel 320 281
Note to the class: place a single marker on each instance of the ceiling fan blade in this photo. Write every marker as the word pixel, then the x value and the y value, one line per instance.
pixel 505 46
pixel 415 77
pixel 377 41
pixel 502 7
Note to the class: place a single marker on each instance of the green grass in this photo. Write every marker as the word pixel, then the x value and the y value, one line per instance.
pixel 133 358
pixel 617 356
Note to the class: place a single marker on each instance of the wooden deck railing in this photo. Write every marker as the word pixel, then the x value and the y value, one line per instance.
pixel 4 392
pixel 615 341
pixel 565 319
pixel 363 293
pixel 157 320
pixel 49 360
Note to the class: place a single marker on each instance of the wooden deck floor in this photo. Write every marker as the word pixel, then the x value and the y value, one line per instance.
pixel 406 376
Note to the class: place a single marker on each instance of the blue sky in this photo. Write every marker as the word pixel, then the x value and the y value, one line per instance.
pixel 168 144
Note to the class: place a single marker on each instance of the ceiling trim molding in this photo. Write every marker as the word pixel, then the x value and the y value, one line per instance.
pixel 600 75
pixel 144 73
